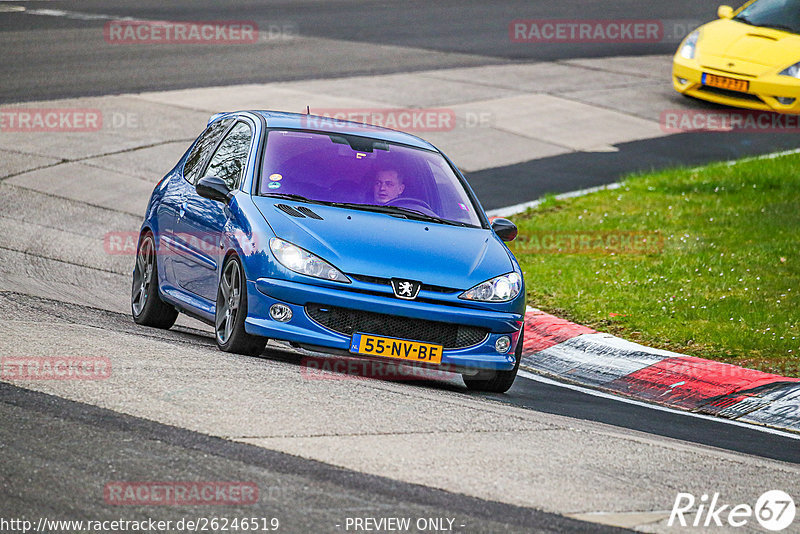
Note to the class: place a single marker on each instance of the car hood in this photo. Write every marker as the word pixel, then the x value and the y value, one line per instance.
pixel 379 245
pixel 752 50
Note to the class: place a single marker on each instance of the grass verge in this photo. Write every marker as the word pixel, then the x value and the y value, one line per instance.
pixel 699 261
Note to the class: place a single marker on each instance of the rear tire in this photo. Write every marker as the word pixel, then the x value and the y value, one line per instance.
pixel 231 312
pixel 496 381
pixel 147 307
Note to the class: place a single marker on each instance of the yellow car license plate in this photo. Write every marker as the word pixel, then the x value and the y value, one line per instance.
pixel 401 349
pixel 723 82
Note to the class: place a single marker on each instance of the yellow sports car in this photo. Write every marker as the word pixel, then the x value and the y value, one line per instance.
pixel 749 58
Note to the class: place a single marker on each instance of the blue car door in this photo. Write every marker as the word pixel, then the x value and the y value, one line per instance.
pixel 202 221
pixel 173 250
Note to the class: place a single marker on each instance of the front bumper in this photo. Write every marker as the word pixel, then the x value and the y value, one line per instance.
pixel 303 330
pixel 761 95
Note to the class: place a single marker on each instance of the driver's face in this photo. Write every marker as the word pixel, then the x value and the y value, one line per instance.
pixel 388 186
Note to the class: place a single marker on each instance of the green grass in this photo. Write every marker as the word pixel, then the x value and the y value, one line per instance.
pixel 721 276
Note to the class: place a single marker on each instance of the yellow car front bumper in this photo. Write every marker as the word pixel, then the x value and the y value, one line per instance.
pixel 763 93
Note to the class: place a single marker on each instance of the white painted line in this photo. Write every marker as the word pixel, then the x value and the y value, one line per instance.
pixel 771 155
pixel 508 211
pixel 604 395
pixel 77 15
pixel 519 208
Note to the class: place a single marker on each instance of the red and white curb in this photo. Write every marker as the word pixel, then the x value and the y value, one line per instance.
pixel 578 354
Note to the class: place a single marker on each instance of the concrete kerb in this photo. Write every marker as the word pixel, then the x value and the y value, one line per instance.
pixel 578 354
pixel 575 353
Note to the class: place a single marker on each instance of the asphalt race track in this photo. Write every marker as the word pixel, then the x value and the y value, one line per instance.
pixel 541 458
pixel 336 38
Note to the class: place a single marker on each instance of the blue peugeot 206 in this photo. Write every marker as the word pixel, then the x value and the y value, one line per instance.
pixel 336 237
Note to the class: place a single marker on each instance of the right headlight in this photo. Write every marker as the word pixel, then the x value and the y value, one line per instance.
pixel 301 261
pixel 689 45
pixel 793 71
pixel 499 289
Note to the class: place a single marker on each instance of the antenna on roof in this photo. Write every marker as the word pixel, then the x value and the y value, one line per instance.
pixel 308 110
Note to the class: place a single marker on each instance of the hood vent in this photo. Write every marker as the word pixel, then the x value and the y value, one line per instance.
pixel 308 213
pixel 301 212
pixel 290 211
pixel 769 37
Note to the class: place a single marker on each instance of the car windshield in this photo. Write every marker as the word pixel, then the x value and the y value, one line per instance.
pixel 779 14
pixel 364 173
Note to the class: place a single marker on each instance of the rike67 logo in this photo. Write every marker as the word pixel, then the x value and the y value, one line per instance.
pixel 774 511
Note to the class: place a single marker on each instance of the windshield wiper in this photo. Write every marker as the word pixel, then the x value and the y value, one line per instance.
pixel 298 198
pixel 416 214
pixel 370 207
pixel 743 18
pixel 396 211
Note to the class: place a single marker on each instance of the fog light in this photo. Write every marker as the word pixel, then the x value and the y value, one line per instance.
pixel 682 81
pixel 502 344
pixel 280 312
pixel 785 100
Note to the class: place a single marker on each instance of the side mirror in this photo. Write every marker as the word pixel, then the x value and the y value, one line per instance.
pixel 505 229
pixel 213 188
pixel 725 12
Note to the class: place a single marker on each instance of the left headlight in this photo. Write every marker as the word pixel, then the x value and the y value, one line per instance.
pixel 689 45
pixel 301 261
pixel 793 71
pixel 500 289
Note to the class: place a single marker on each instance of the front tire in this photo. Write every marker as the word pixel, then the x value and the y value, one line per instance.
pixel 147 307
pixel 496 381
pixel 231 311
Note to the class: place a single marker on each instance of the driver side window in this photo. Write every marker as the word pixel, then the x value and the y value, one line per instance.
pixel 230 159
pixel 199 154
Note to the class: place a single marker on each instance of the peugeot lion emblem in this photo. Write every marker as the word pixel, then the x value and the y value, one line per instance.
pixel 405 289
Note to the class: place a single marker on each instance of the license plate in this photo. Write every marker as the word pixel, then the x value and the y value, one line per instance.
pixel 400 349
pixel 723 82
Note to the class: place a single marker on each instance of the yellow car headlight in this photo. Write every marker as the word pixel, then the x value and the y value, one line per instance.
pixel 793 71
pixel 689 45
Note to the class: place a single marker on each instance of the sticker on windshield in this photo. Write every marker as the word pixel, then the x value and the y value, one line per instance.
pixel 274 185
pixel 276 177
pixel 463 207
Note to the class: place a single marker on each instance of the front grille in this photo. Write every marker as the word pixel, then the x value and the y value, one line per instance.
pixel 388 282
pixel 347 321
pixel 730 94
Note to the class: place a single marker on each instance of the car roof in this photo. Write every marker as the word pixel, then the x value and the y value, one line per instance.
pixel 302 121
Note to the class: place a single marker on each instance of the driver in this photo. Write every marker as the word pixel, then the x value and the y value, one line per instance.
pixel 388 186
